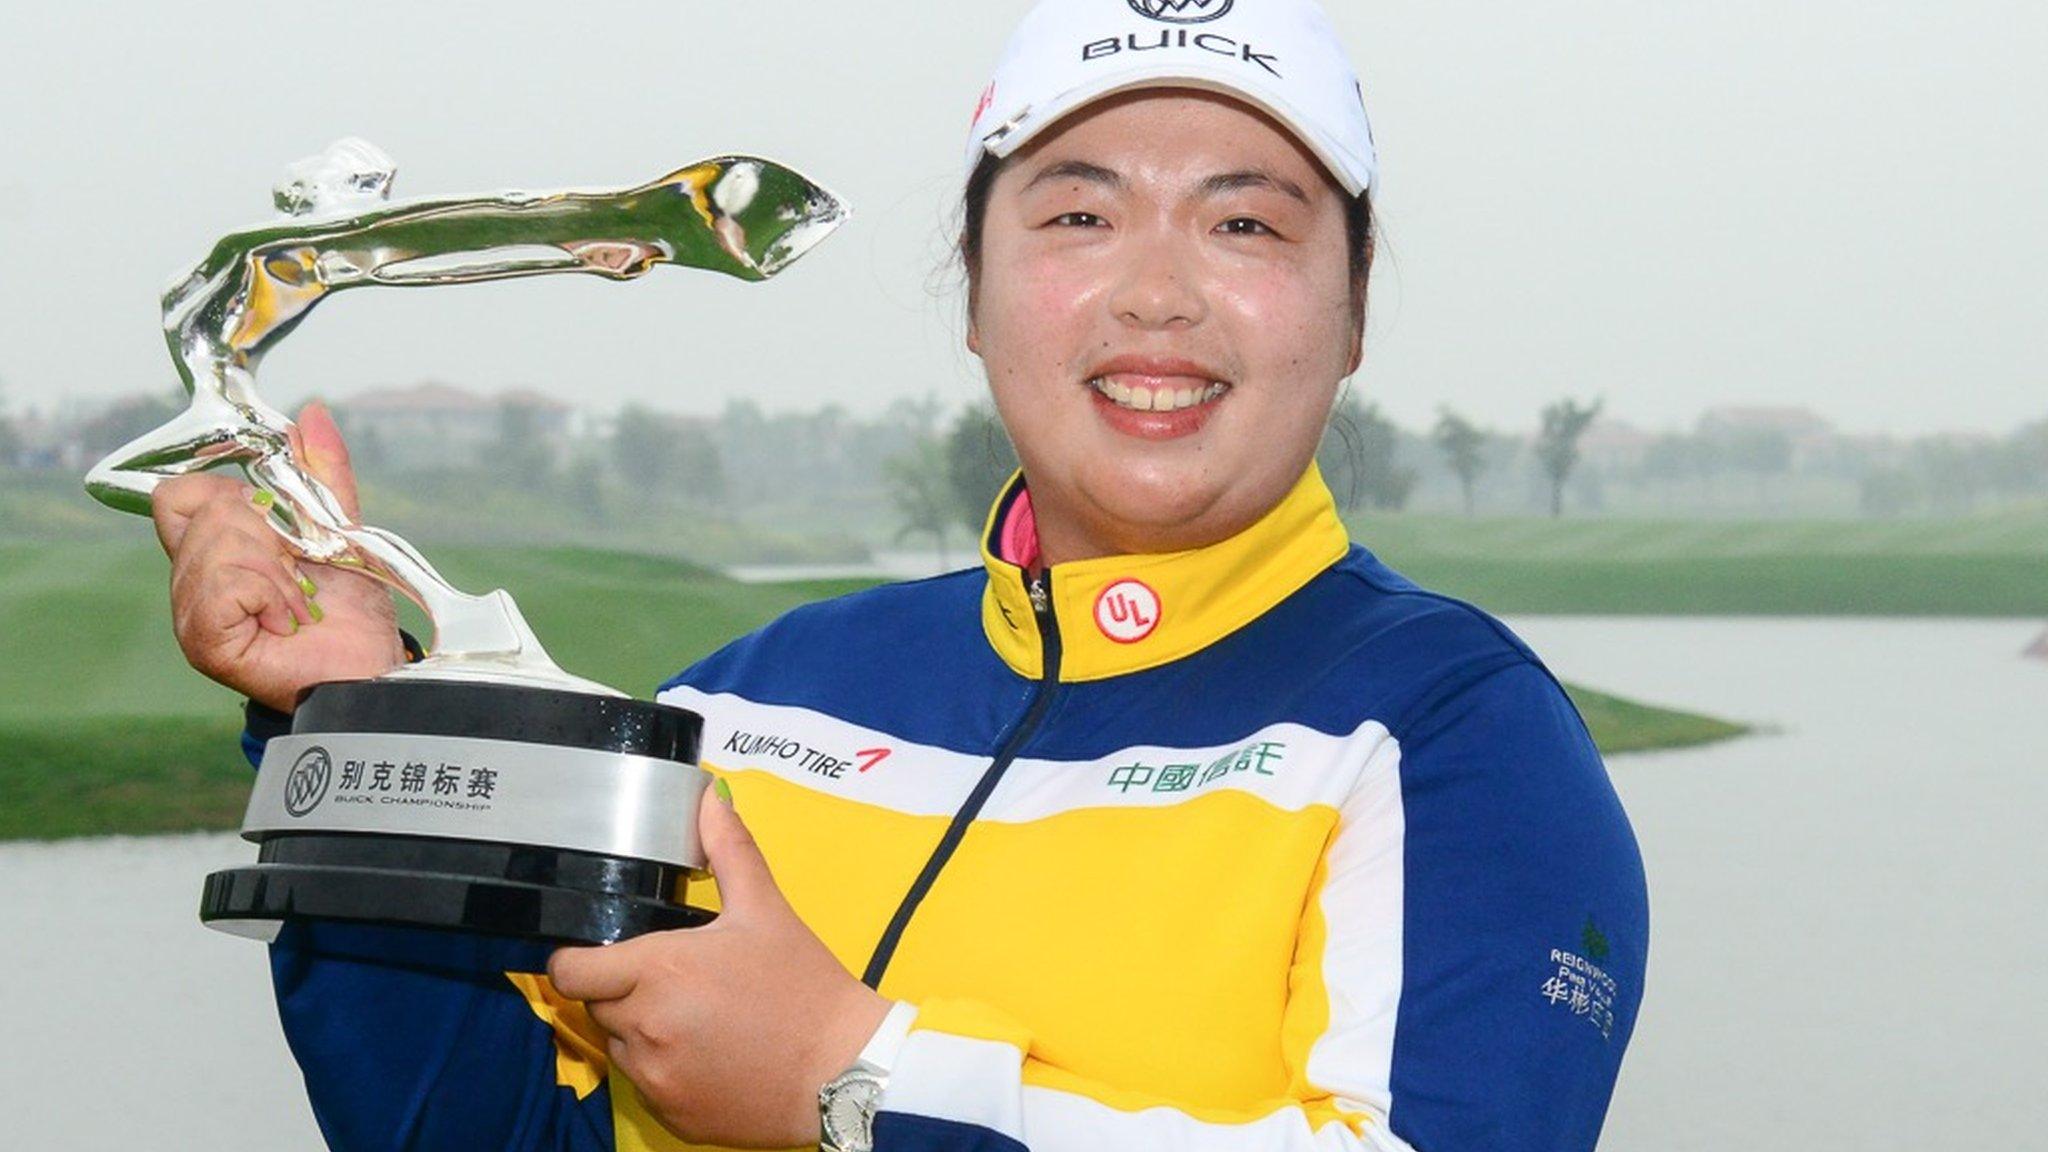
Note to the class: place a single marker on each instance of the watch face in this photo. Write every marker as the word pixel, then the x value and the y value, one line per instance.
pixel 850 1113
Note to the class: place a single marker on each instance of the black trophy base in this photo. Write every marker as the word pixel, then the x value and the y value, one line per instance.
pixel 492 889
pixel 546 894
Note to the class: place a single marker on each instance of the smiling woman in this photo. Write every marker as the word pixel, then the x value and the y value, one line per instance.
pixel 1181 821
pixel 1163 294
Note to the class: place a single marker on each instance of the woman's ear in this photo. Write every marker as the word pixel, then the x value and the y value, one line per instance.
pixel 973 336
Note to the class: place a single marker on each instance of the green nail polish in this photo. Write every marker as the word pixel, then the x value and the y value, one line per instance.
pixel 307 586
pixel 263 499
pixel 314 611
pixel 724 791
pixel 295 625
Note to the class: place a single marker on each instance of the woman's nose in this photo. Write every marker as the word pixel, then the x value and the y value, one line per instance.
pixel 1157 286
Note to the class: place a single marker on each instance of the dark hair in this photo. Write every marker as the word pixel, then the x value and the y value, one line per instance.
pixel 1359 233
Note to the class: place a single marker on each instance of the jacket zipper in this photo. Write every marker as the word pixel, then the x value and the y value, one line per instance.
pixel 1039 588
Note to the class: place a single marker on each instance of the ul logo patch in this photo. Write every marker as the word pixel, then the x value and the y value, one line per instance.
pixel 1182 11
pixel 306 784
pixel 1127 611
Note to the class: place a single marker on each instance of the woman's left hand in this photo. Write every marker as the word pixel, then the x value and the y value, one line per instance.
pixel 728 1030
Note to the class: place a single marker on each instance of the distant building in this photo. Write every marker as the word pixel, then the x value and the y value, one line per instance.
pixel 439 424
pixel 50 441
pixel 1812 437
pixel 1796 423
pixel 1615 445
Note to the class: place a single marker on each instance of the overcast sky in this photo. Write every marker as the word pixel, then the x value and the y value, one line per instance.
pixel 1829 203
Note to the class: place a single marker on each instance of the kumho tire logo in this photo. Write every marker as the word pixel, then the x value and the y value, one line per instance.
pixel 1182 11
pixel 306 784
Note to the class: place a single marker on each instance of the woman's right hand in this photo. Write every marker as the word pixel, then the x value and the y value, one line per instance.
pixel 238 607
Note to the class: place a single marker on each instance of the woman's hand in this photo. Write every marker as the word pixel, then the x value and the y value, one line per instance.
pixel 728 1030
pixel 245 613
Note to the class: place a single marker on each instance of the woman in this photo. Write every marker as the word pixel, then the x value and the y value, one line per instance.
pixel 1180 822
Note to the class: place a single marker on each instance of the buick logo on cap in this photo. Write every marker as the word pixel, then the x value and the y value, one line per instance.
pixel 306 785
pixel 1182 11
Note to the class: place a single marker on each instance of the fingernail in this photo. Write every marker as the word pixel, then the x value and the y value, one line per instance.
pixel 314 611
pixel 307 586
pixel 724 791
pixel 263 499
pixel 295 625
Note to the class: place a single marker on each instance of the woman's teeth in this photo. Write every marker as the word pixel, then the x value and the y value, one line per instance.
pixel 1140 398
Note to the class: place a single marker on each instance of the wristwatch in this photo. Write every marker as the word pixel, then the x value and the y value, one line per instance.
pixel 846 1109
pixel 847 1103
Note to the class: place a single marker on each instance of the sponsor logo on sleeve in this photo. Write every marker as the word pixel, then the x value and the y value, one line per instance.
pixel 1579 985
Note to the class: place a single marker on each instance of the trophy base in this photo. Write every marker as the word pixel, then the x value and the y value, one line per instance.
pixel 493 889
pixel 521 812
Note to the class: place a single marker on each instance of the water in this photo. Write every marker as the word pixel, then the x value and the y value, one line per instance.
pixel 128 1025
pixel 884 566
pixel 1847 916
pixel 1847 937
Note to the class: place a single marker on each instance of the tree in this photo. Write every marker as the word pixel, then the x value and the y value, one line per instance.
pixel 367 451
pixel 920 485
pixel 10 439
pixel 979 460
pixel 1954 470
pixel 666 458
pixel 583 482
pixel 1464 448
pixel 2023 461
pixel 699 466
pixel 125 419
pixel 917 417
pixel 1761 452
pixel 519 453
pixel 642 449
pixel 1889 492
pixel 1360 458
pixel 1557 444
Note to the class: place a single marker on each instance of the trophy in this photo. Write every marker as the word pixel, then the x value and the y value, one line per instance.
pixel 481 788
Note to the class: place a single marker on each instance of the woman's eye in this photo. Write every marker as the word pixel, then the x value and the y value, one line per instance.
pixel 1077 220
pixel 1245 226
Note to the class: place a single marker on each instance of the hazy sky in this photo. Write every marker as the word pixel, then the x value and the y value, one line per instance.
pixel 1829 203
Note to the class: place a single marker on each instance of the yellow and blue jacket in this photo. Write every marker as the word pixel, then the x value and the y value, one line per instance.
pixel 1253 846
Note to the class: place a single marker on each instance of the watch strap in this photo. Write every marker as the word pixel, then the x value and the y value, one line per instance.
pixel 880 1053
pixel 860 1087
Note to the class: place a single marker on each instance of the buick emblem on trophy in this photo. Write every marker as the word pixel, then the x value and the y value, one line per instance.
pixel 481 788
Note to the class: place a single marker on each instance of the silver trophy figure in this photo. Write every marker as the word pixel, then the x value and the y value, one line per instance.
pixel 482 788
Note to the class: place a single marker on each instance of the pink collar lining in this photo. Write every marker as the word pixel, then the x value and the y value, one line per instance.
pixel 1018 539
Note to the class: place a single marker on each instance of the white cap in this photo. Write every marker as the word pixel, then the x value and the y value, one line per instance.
pixel 1282 56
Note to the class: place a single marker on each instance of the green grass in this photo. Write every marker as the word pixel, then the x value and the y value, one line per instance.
pixel 1974 566
pixel 1624 726
pixel 86 626
pixel 75 777
pixel 2011 533
pixel 104 729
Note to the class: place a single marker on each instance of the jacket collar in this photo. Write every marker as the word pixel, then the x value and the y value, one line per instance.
pixel 1121 614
